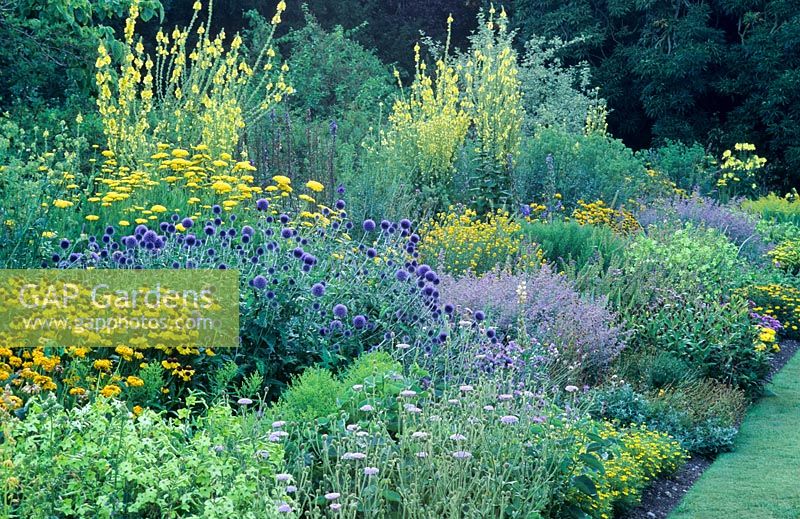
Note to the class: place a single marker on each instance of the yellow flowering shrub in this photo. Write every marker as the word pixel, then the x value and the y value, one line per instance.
pixel 598 213
pixel 184 95
pixel 429 124
pixel 461 242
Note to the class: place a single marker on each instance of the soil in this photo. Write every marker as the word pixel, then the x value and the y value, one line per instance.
pixel 660 498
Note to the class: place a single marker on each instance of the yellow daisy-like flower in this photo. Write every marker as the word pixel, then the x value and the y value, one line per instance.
pixel 315 186
pixel 134 381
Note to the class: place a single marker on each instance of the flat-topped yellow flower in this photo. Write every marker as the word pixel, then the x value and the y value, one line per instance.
pixel 92 217
pixel 280 179
pixel 315 186
pixel 180 153
pixel 62 204
pixel 245 166
pixel 158 209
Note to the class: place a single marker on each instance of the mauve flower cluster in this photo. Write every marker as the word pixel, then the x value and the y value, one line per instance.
pixel 579 330
pixel 766 321
pixel 731 221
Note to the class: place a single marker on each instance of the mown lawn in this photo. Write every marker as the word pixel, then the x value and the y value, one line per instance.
pixel 760 478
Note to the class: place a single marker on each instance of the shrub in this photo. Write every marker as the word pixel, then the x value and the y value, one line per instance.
pixel 582 334
pixel 736 225
pixel 337 73
pixel 570 242
pixel 716 338
pixel 667 370
pixel 693 261
pixel 101 460
pixel 579 167
pixel 786 256
pixel 555 95
pixel 784 209
pixel 701 415
pixel 460 241
pixel 311 395
pixel 689 167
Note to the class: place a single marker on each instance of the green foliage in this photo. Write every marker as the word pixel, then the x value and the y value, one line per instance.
pixel 779 209
pixel 689 167
pixel 337 75
pixel 715 73
pixel 371 365
pixel 701 415
pixel 668 370
pixel 101 461
pixel 715 338
pixel 587 167
pixel 555 95
pixel 693 260
pixel 311 395
pixel 570 242
pixel 49 48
